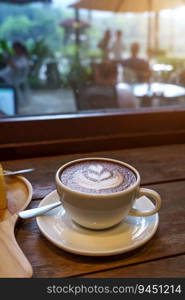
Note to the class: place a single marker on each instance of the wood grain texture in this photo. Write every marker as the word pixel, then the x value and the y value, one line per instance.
pixel 155 164
pixel 165 268
pixel 49 261
pixel 13 262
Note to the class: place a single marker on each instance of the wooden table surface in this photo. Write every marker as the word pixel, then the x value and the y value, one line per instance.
pixel 163 169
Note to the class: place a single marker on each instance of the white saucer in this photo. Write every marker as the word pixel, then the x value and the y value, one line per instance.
pixel 128 235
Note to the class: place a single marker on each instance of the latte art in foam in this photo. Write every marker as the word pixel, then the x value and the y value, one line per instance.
pixel 97 177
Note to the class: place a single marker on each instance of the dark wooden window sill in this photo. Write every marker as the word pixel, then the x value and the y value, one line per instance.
pixel 60 134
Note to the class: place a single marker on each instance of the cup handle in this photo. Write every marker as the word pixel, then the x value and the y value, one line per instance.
pixel 151 194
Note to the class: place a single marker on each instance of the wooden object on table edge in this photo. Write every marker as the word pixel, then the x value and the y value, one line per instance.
pixel 13 262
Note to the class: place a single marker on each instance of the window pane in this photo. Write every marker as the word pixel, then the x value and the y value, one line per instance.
pixel 97 56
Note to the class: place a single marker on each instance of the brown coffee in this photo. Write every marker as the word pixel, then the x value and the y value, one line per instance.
pixel 97 177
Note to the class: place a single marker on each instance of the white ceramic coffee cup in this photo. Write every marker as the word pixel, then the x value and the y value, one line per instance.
pixel 100 211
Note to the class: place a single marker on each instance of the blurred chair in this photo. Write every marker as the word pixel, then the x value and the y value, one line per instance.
pixel 96 97
pixel 105 73
pixel 101 93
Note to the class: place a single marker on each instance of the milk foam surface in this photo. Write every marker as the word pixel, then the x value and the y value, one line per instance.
pixel 97 177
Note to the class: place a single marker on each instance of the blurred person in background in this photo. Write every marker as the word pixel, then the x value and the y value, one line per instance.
pixel 104 44
pixel 118 46
pixel 17 65
pixel 139 65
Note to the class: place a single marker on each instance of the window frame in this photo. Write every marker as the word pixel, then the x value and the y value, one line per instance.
pixel 22 137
